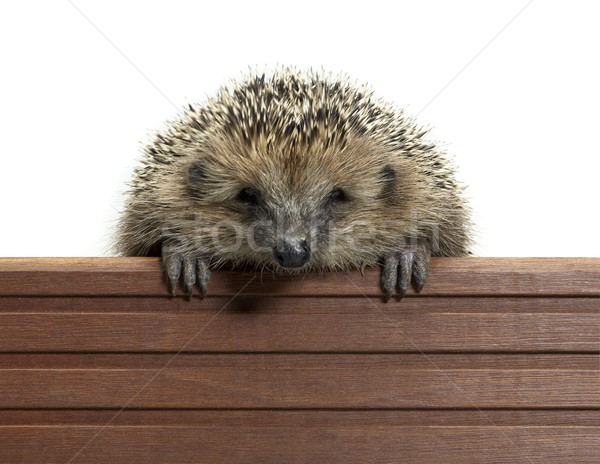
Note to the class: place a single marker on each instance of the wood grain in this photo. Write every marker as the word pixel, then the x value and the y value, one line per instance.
pixel 265 444
pixel 250 324
pixel 448 276
pixel 302 417
pixel 311 381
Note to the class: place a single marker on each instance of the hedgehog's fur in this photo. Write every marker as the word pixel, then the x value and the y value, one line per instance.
pixel 293 138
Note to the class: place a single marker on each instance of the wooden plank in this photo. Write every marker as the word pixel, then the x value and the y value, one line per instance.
pixel 449 276
pixel 311 306
pixel 302 417
pixel 299 324
pixel 444 361
pixel 311 381
pixel 265 444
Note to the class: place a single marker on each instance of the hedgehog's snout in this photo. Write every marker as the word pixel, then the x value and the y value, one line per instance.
pixel 291 252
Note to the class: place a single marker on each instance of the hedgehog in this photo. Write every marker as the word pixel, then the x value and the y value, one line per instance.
pixel 294 172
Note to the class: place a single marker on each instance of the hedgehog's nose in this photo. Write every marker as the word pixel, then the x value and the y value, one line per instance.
pixel 291 253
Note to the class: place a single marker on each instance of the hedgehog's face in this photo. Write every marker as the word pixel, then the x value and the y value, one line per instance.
pixel 294 213
pixel 292 231
pixel 272 224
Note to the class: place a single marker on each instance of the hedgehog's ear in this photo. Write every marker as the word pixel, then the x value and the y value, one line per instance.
pixel 388 182
pixel 196 177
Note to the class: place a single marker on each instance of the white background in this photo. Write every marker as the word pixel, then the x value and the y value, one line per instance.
pixel 511 87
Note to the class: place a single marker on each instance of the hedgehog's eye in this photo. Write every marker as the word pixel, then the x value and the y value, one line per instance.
pixel 337 196
pixel 248 196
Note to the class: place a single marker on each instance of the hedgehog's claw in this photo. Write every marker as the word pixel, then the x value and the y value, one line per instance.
pixel 389 275
pixel 362 269
pixel 189 275
pixel 203 275
pixel 194 270
pixel 419 269
pixel 203 290
pixel 405 271
pixel 173 265
pixel 400 266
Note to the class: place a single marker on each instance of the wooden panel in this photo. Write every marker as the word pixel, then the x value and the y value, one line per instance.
pixel 302 417
pixel 496 361
pixel 250 324
pixel 300 444
pixel 300 436
pixel 308 381
pixel 449 276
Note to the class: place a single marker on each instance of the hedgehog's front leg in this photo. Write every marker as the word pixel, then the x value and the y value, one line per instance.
pixel 193 267
pixel 399 266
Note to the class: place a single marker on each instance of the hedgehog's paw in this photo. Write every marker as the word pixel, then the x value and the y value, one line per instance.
pixel 193 268
pixel 400 266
